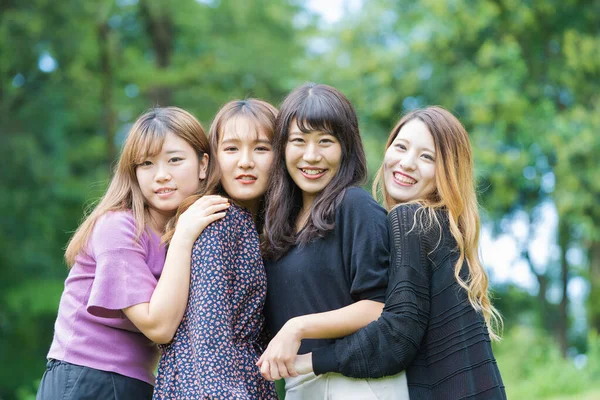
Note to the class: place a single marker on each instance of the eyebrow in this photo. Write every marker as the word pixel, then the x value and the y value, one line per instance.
pixel 174 151
pixel 408 141
pixel 299 132
pixel 236 140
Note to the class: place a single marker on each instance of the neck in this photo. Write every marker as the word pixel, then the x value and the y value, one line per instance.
pixel 158 220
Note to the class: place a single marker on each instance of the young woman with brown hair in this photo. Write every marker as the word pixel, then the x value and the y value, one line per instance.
pixel 214 351
pixel 438 321
pixel 327 251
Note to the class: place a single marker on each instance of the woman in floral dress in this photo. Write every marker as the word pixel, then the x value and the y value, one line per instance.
pixel 217 345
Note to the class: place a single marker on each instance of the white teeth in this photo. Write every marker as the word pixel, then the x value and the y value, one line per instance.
pixel 404 179
pixel 165 191
pixel 313 171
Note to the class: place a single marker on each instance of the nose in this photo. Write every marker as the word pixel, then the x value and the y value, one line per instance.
pixel 162 173
pixel 312 154
pixel 246 160
pixel 408 161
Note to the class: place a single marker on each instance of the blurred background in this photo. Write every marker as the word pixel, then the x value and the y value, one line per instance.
pixel 523 76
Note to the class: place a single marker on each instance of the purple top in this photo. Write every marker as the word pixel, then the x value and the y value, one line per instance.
pixel 117 272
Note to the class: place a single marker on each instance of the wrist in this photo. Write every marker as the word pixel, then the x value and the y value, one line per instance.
pixel 297 327
pixel 182 241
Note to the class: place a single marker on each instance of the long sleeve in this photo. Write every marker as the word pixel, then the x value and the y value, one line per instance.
pixel 388 345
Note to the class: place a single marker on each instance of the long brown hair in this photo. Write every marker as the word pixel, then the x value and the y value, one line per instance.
pixel 145 139
pixel 262 115
pixel 315 107
pixel 455 195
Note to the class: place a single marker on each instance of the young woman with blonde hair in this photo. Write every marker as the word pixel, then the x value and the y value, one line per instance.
pixel 438 321
pixel 124 291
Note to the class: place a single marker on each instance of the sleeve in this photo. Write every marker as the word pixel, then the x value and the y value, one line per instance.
pixel 122 277
pixel 387 346
pixel 365 245
pixel 210 310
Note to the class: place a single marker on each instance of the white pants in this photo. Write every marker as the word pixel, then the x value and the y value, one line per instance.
pixel 333 386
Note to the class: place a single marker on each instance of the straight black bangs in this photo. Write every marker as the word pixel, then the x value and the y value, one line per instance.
pixel 317 114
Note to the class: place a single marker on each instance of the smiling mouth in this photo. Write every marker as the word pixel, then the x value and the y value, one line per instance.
pixel 404 179
pixel 246 179
pixel 165 191
pixel 312 173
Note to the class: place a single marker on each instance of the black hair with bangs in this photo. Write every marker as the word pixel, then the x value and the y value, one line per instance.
pixel 314 107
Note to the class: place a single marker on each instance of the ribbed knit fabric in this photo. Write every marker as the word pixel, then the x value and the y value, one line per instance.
pixel 427 327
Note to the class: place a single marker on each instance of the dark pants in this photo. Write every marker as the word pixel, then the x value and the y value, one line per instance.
pixel 65 381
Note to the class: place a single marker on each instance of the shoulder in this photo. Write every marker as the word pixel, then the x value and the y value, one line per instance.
pixel 236 219
pixel 415 220
pixel 358 201
pixel 116 220
pixel 116 227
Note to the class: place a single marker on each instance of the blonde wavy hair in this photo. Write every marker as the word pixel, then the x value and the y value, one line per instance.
pixel 145 139
pixel 455 194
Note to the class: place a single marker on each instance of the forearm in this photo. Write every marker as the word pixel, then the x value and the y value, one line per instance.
pixel 159 318
pixel 336 323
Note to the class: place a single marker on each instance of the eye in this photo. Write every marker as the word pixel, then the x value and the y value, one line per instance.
pixel 297 140
pixel 263 148
pixel 400 146
pixel 428 157
pixel 230 148
pixel 327 141
pixel 146 163
pixel 175 159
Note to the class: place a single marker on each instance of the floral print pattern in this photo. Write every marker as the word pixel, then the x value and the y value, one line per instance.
pixel 214 351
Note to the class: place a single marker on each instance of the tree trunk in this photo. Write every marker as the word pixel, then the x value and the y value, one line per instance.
pixel 563 325
pixel 109 119
pixel 159 28
pixel 594 299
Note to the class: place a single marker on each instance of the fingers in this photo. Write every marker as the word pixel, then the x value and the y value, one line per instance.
pixel 215 208
pixel 291 368
pixel 265 370
pixel 274 372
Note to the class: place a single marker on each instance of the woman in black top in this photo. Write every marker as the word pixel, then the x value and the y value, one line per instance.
pixel 438 322
pixel 326 251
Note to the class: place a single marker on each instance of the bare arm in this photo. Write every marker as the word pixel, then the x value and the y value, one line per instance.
pixel 278 359
pixel 159 318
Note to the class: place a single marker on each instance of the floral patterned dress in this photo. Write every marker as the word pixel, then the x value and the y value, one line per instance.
pixel 214 351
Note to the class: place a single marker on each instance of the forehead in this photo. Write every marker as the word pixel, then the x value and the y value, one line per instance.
pixel 415 131
pixel 242 128
pixel 305 128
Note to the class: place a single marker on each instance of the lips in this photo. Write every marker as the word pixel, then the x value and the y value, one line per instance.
pixel 246 179
pixel 164 190
pixel 404 179
pixel 312 173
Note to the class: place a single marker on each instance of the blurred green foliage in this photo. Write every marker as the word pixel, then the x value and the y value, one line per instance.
pixel 524 78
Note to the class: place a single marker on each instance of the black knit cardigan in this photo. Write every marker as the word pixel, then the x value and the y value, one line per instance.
pixel 427 327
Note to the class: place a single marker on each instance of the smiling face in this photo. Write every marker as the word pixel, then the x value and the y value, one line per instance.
pixel 312 160
pixel 409 163
pixel 169 177
pixel 245 156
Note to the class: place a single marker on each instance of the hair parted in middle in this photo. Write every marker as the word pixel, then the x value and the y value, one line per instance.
pixel 454 195
pixel 314 107
pixel 261 115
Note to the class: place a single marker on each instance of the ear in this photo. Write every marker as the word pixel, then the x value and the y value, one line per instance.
pixel 203 164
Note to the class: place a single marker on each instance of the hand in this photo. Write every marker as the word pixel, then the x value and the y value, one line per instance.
pixel 199 215
pixel 278 359
pixel 303 364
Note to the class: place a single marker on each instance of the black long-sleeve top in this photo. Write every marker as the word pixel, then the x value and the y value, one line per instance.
pixel 427 327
